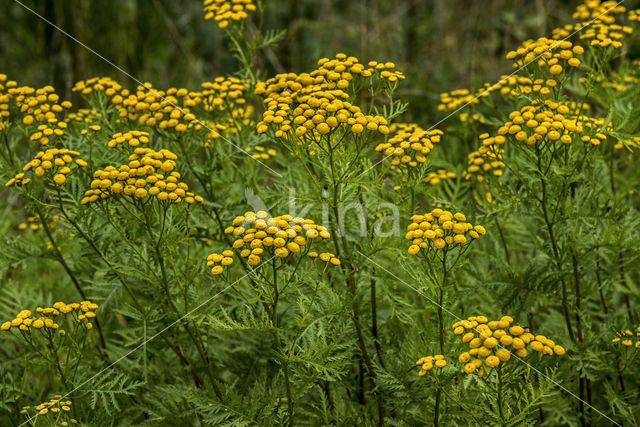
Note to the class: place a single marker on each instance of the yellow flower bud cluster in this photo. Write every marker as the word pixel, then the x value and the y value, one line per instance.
pixel 470 118
pixel 34 223
pixel 83 311
pixel 224 93
pixel 342 68
pixel 628 338
pixel 591 9
pixel 409 144
pixel 513 85
pixel 487 159
pixel 552 121
pixel 83 115
pixel 148 173
pixel 170 109
pixel 133 138
pixel 435 178
pixel 440 229
pixel 59 409
pixel 107 85
pixel 280 236
pixel 634 15
pixel 314 104
pixel 5 97
pixel 547 53
pixel 428 362
pixel 261 153
pixel 42 109
pixel 603 32
pixel 633 142
pixel 227 11
pixel 492 342
pixel 457 98
pixel 217 261
pixel 53 162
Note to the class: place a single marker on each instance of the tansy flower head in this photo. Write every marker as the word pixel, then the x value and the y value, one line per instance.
pixel 261 153
pixel 548 54
pixel 435 178
pixel 53 163
pixel 280 236
pixel 132 138
pixel 492 342
pixel 227 11
pixel 48 316
pixel 148 173
pixel 409 144
pixel 440 229
pixel 428 362
pixel 550 121
pixel 42 110
pixel 97 84
pixel 487 160
pixel 628 338
pixel 312 105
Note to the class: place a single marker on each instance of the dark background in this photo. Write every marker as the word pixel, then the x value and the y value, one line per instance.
pixel 441 44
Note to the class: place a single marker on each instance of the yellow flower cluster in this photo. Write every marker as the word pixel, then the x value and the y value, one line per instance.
pixel 457 98
pixel 107 85
pixel 490 342
pixel 428 362
pixel 42 108
pixel 168 109
pixel 172 109
pixel 440 229
pixel 342 68
pixel 628 338
pixel 514 85
pixel 434 178
pixel 54 161
pixel 633 142
pixel 133 138
pixel 224 93
pixel 261 153
pixel 546 53
pixel 83 311
pixel 83 115
pixel 317 101
pixel 487 159
pixel 634 15
pixel 34 223
pixel 474 117
pixel 602 32
pixel 281 236
pixel 5 98
pixel 143 176
pixel 226 11
pixel 56 407
pixel 217 261
pixel 591 9
pixel 552 121
pixel 409 144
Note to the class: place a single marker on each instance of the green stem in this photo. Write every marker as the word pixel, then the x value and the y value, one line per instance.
pixel 274 321
pixel 500 410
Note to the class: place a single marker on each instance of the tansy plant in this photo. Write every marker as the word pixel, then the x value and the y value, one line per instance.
pixel 153 201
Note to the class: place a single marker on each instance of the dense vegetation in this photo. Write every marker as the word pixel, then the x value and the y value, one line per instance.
pixel 300 242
